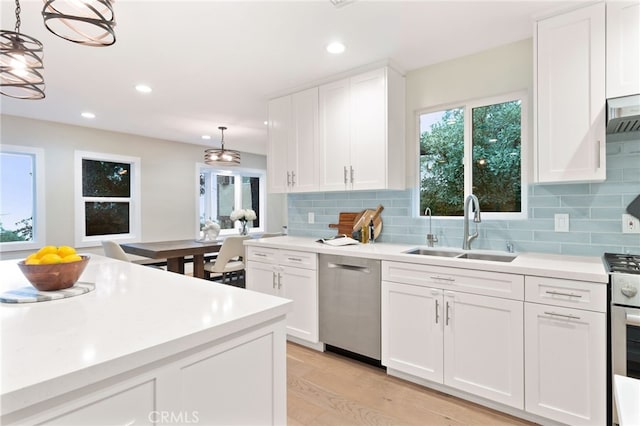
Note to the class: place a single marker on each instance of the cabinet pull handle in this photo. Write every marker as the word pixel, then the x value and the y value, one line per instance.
pixel 274 279
pixel 260 254
pixel 568 316
pixel 351 167
pixel 437 309
pixel 288 179
pixel 559 293
pixel 437 277
pixel 632 320
pixel 599 150
pixel 345 175
pixel 446 318
pixel 293 178
pixel 279 281
pixel 294 259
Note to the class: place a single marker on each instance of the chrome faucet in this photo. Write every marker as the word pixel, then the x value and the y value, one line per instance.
pixel 466 238
pixel 431 239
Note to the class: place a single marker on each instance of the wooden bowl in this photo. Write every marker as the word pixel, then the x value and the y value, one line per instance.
pixel 56 276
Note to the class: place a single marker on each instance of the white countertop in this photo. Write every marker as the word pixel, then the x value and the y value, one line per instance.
pixel 584 268
pixel 136 315
pixel 627 392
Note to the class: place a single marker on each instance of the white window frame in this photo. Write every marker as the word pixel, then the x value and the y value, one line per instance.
pixel 135 227
pixel 235 171
pixel 39 209
pixel 468 153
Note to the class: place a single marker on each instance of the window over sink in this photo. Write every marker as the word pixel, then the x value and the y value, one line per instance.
pixel 474 147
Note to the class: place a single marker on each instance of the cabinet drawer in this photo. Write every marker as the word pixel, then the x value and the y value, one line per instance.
pixel 568 293
pixel 262 254
pixel 300 259
pixel 498 284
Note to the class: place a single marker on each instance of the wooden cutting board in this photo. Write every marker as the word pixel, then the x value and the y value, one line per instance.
pixel 366 216
pixel 345 223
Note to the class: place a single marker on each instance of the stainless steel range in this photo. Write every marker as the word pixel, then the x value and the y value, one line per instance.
pixel 624 272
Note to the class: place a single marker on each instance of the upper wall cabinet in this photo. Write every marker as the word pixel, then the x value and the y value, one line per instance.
pixel 293 143
pixel 361 138
pixel 623 48
pixel 570 96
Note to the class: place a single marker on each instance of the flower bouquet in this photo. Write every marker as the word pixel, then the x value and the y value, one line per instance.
pixel 243 216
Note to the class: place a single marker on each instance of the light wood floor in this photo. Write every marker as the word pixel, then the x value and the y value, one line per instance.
pixel 328 389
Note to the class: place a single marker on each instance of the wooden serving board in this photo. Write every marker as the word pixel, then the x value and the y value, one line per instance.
pixel 345 223
pixel 366 216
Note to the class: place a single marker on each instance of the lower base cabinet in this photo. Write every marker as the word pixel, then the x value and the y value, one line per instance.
pixel 565 373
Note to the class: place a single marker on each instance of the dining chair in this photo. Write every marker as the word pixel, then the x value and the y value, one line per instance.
pixel 114 251
pixel 229 259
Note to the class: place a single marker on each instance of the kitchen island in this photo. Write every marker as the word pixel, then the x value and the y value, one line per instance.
pixel 146 346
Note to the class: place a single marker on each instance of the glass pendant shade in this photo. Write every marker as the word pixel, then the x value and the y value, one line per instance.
pixel 21 65
pixel 221 157
pixel 88 22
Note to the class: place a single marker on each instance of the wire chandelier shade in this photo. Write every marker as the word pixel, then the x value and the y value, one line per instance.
pixel 87 22
pixel 21 64
pixel 221 157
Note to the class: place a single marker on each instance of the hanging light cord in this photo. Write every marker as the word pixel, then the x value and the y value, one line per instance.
pixel 18 10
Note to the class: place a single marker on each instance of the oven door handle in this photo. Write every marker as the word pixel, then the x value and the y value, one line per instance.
pixel 632 319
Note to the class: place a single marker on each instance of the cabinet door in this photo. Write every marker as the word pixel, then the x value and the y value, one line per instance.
pixel 570 107
pixel 412 326
pixel 261 278
pixel 565 371
pixel 303 146
pixel 483 347
pixel 335 162
pixel 369 130
pixel 623 48
pixel 301 286
pixel 279 141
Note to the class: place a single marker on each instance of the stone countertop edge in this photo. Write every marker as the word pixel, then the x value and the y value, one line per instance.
pixel 581 268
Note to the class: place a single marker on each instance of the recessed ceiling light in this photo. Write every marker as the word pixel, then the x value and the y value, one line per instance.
pixel 266 122
pixel 206 137
pixel 143 88
pixel 88 115
pixel 335 48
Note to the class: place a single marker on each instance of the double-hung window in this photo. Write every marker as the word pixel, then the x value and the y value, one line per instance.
pixel 223 191
pixel 474 148
pixel 22 210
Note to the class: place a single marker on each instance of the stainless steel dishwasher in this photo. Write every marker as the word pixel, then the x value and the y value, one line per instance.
pixel 349 294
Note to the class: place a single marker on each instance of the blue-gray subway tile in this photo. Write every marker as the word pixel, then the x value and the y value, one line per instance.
pixel 600 225
pixel 572 237
pixel 549 213
pixel 533 224
pixel 590 200
pixel 544 201
pixel 631 174
pixel 616 188
pixel 561 189
pixel 538 247
pixel 619 239
pixel 588 250
pixel 607 213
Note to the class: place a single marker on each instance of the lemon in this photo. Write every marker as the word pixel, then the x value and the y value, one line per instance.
pixel 47 250
pixel 32 260
pixel 71 258
pixel 50 258
pixel 64 251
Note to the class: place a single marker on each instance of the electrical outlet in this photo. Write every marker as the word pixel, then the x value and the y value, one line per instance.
pixel 561 222
pixel 630 224
pixel 311 217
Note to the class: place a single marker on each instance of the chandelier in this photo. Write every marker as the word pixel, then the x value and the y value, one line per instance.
pixel 221 157
pixel 20 63
pixel 88 22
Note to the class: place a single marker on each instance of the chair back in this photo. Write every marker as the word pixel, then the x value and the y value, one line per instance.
pixel 232 247
pixel 114 251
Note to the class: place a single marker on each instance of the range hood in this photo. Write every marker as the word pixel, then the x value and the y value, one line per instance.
pixel 623 114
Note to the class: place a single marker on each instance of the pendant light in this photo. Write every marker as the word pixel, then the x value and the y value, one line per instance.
pixel 21 64
pixel 221 157
pixel 88 22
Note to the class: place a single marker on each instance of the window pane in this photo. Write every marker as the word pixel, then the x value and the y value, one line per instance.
pixel 225 200
pixel 106 218
pixel 496 156
pixel 105 179
pixel 251 197
pixel 441 162
pixel 17 192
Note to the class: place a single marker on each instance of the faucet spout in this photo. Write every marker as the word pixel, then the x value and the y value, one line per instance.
pixel 468 238
pixel 431 239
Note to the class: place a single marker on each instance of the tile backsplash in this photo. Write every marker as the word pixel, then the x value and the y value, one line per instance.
pixel 595 213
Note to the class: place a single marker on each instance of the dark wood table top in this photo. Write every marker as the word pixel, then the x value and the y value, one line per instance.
pixel 172 249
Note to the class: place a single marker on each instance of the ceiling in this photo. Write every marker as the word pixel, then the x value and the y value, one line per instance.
pixel 213 63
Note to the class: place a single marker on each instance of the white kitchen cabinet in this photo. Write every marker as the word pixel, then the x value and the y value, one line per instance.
pixel 471 342
pixel 293 142
pixel 565 352
pixel 623 48
pixel 292 275
pixel 361 136
pixel 570 96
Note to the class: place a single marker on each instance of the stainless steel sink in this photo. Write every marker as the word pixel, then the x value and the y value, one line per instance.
pixel 487 256
pixel 432 252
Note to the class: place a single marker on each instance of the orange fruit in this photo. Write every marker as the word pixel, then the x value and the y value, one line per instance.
pixel 50 258
pixel 64 251
pixel 47 250
pixel 71 258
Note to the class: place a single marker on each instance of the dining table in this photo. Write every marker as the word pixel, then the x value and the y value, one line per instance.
pixel 176 252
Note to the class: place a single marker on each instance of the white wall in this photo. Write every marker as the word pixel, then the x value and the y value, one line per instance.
pixel 168 177
pixel 505 69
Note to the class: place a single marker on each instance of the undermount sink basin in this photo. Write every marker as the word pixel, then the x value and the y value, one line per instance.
pixel 431 252
pixel 487 256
